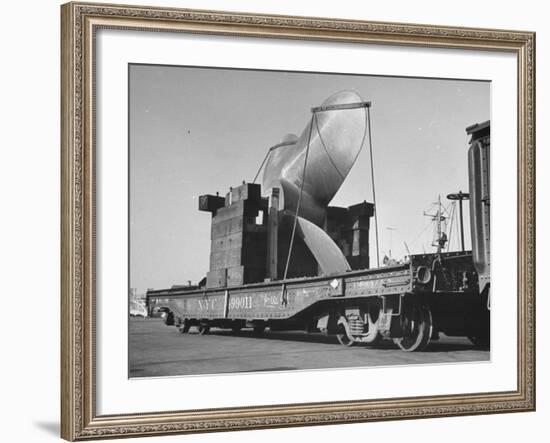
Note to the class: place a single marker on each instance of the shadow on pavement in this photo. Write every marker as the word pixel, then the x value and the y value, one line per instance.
pixel 436 346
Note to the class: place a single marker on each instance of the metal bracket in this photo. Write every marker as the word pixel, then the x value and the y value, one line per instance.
pixel 393 314
pixel 226 304
pixel 341 107
pixel 284 299
pixel 391 284
pixel 281 145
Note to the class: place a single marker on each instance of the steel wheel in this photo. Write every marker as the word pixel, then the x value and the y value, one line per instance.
pixel 184 327
pixel 417 327
pixel 481 336
pixel 343 336
pixel 258 330
pixel 481 341
pixel 168 318
pixel 204 329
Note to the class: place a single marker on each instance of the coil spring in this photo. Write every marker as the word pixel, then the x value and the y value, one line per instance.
pixel 356 325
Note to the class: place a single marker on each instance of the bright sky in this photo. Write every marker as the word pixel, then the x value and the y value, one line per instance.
pixel 196 131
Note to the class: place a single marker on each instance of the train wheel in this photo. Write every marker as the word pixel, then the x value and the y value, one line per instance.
pixel 204 329
pixel 481 341
pixel 417 327
pixel 481 337
pixel 342 335
pixel 184 327
pixel 258 330
pixel 372 339
pixel 168 318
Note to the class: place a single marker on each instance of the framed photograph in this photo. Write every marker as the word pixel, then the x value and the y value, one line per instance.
pixel 277 221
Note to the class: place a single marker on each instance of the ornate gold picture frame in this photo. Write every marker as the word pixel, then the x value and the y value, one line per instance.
pixel 80 23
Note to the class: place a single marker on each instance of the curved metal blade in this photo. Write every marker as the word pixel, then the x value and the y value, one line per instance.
pixel 330 258
pixel 336 140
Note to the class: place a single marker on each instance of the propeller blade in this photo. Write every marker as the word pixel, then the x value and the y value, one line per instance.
pixel 330 258
pixel 335 142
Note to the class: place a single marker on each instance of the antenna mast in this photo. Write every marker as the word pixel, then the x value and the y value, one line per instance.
pixel 439 219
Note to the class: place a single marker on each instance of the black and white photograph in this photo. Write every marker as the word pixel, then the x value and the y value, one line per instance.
pixel 286 221
pixel 275 221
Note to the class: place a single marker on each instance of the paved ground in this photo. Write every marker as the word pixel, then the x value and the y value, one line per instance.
pixel 159 350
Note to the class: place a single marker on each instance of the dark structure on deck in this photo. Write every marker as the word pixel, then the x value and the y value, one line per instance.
pixel 242 224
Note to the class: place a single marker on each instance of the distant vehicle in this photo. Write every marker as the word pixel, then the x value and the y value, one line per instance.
pixel 137 309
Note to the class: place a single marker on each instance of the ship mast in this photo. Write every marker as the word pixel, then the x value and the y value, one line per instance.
pixel 440 239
